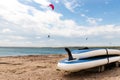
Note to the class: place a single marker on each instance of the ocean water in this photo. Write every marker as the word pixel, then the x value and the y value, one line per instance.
pixel 21 51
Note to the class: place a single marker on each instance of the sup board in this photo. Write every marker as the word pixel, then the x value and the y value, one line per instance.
pixel 83 59
pixel 85 63
pixel 85 53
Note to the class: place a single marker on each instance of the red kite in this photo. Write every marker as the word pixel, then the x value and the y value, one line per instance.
pixel 52 6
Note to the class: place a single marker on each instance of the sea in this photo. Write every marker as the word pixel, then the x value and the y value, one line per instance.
pixel 22 51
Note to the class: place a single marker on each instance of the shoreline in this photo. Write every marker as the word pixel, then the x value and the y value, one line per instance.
pixel 44 67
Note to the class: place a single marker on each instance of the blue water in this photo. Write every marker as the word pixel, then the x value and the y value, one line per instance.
pixel 19 51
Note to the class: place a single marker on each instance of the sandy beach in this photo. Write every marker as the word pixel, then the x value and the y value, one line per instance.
pixel 44 67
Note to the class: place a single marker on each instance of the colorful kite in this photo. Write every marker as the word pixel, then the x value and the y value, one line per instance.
pixel 52 6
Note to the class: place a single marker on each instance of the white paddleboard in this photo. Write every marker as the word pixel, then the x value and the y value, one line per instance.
pixel 85 53
pixel 81 64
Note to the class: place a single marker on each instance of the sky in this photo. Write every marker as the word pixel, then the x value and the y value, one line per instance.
pixel 27 23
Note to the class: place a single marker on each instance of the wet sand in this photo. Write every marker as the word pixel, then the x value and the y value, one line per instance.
pixel 44 67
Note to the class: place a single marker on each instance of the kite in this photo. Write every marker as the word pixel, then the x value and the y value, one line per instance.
pixel 52 6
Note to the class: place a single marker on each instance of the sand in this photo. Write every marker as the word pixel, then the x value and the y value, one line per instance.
pixel 44 67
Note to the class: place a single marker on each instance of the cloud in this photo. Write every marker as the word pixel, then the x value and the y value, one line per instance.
pixel 94 21
pixel 7 30
pixel 107 2
pixel 20 28
pixel 42 22
pixel 13 37
pixel 72 4
pixel 43 2
pixel 91 20
pixel 57 1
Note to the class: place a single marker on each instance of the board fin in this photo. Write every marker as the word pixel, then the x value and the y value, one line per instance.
pixel 70 57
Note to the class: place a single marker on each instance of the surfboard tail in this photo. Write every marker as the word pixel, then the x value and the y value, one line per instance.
pixel 70 57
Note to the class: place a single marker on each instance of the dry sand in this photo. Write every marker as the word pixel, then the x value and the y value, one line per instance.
pixel 44 67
